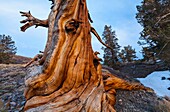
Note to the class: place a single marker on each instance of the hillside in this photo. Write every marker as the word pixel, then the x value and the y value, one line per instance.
pixel 12 99
pixel 17 59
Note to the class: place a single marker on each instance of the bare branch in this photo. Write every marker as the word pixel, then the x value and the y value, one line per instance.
pixel 36 58
pixel 31 21
pixel 164 16
pixel 165 22
pixel 89 17
pixel 98 37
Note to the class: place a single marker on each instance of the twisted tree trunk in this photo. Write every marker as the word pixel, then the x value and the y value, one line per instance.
pixel 69 77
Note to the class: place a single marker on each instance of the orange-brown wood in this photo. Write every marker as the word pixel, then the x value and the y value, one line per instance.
pixel 70 78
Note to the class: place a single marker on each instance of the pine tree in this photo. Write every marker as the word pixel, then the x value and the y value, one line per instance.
pixel 122 57
pixel 148 55
pixel 110 56
pixel 7 48
pixel 127 54
pixel 154 16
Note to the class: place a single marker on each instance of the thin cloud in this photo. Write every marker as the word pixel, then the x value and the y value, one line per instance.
pixel 32 40
pixel 119 14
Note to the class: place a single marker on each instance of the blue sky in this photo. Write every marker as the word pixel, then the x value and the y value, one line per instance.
pixel 120 14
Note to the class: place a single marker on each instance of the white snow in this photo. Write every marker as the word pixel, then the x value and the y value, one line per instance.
pixel 154 81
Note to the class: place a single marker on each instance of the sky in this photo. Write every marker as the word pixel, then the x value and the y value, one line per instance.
pixel 120 14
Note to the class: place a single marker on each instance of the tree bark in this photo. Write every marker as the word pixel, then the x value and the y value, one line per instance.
pixel 70 75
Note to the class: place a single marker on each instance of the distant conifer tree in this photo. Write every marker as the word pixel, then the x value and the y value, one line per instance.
pixel 148 54
pixel 128 54
pixel 7 48
pixel 110 56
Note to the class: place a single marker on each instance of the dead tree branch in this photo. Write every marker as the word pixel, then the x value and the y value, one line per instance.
pixel 98 37
pixel 162 17
pixel 31 20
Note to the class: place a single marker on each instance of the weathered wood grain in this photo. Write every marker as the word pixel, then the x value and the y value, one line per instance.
pixel 71 78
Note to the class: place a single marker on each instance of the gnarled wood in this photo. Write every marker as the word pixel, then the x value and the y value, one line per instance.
pixel 36 58
pixel 31 20
pixel 71 77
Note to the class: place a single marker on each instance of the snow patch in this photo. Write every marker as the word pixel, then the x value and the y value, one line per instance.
pixel 154 81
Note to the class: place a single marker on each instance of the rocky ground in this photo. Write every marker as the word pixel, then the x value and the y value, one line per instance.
pixel 12 87
pixel 17 59
pixel 12 99
pixel 138 101
pixel 141 70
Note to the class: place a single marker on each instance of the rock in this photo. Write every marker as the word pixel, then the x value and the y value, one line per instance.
pixel 16 111
pixel 21 109
pixel 12 108
pixel 163 78
pixel 1 104
pixel 120 100
pixel 7 105
pixel 167 98
pixel 127 101
pixel 22 103
pixel 13 103
pixel 168 88
pixel 139 101
pixel 138 70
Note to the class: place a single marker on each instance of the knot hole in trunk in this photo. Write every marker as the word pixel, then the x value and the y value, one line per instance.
pixel 72 25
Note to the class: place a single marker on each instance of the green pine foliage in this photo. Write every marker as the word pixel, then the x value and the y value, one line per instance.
pixel 110 56
pixel 154 16
pixel 7 49
pixel 148 55
pixel 127 54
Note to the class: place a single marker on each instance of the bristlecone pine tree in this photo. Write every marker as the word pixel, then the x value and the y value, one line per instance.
pixel 69 77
